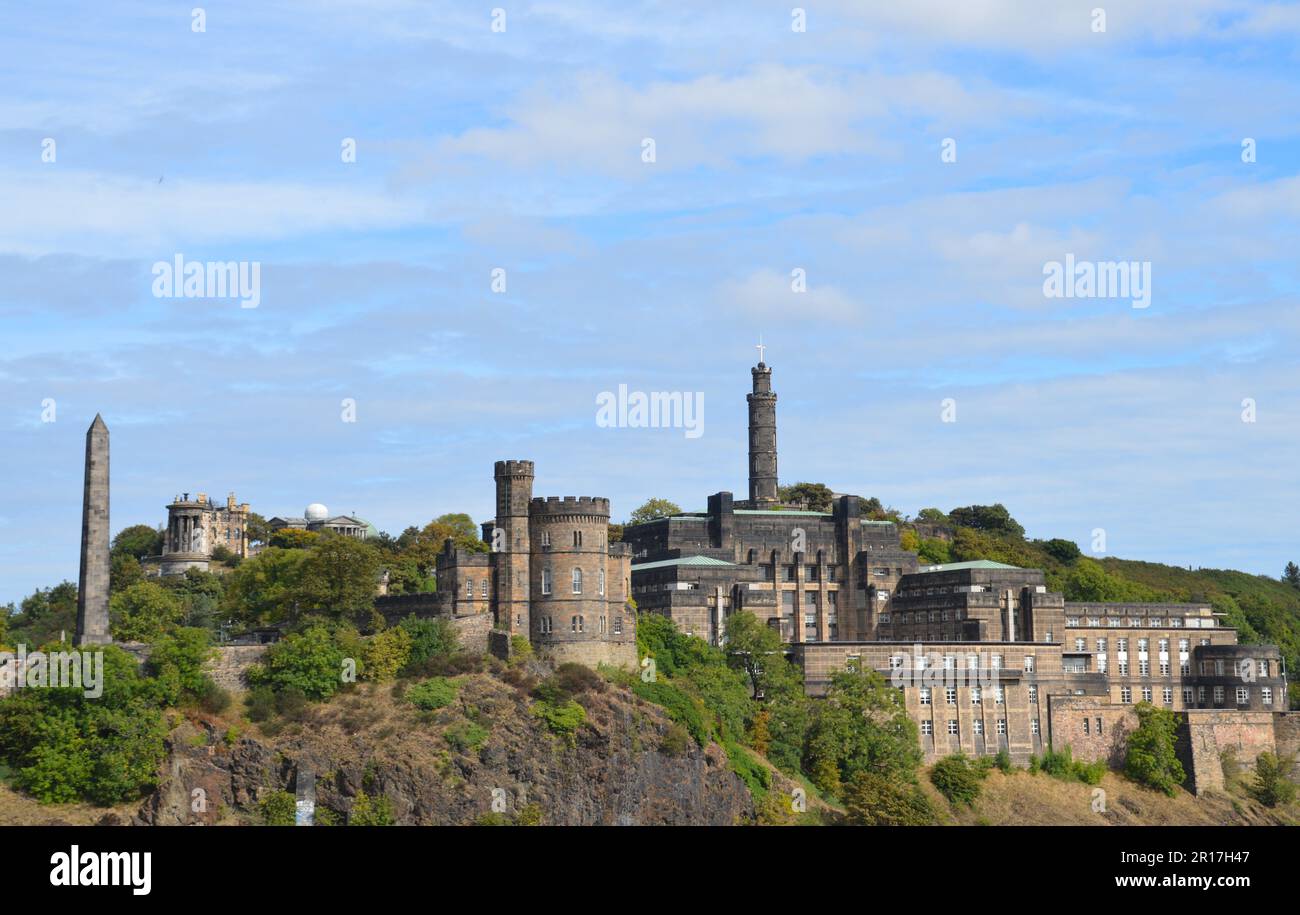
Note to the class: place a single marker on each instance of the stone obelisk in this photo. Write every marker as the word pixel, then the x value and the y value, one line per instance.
pixel 92 590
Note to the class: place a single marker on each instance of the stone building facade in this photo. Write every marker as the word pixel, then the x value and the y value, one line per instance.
pixel 196 527
pixel 549 574
pixel 987 657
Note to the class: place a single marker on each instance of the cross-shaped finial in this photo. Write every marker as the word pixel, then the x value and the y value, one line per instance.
pixel 760 347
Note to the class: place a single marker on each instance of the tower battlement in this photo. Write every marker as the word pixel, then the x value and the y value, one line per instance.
pixel 567 506
pixel 513 469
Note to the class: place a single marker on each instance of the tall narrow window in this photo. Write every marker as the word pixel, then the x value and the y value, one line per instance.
pixel 601 582
pixel 577 581
pixel 546 580
pixel 469 588
pixel 577 538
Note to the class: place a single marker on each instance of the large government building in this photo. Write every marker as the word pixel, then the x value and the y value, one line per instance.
pixel 988 658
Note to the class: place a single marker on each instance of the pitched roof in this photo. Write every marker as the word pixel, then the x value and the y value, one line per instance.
pixel 972 564
pixel 683 561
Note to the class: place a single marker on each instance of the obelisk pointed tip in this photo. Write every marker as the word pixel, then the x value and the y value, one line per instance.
pixel 99 423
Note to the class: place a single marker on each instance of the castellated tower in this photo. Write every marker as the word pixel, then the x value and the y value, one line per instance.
pixel 510 549
pixel 92 589
pixel 580 583
pixel 762 438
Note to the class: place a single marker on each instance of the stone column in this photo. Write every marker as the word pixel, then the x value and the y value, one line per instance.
pixel 92 591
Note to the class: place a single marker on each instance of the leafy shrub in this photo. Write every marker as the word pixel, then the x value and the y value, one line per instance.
pixel 575 679
pixel 370 810
pixel 675 741
pixel 1059 764
pixel 521 650
pixel 291 702
pixel 563 718
pixel 260 702
pixel 1151 759
pixel 1003 762
pixel 429 638
pixel 434 693
pixel 757 777
pixel 682 708
pixel 1272 787
pixel 529 815
pixel 212 698
pixel 873 799
pixel 309 661
pixel 385 654
pixel 957 779
pixel 1090 773
pixel 466 735
pixel 278 809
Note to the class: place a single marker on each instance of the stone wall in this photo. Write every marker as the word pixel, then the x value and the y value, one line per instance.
pixel 1092 727
pixel 1209 733
pixel 472 632
pixel 232 662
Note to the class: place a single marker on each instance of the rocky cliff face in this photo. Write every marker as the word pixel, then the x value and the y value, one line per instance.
pixel 448 767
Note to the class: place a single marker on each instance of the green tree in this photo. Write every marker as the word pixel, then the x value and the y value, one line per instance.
pixel 430 637
pixel 1272 786
pixel 138 541
pixel 292 538
pixel 309 661
pixel 1151 759
pixel 124 570
pixel 256 530
pixel 385 653
pixel 861 726
pixel 176 664
pixel 1291 575
pixel 339 577
pixel 932 516
pixel 815 497
pixel 1063 551
pixel 264 590
pixel 957 779
pixel 144 612
pixel 752 646
pixel 653 510
pixel 875 799
pixel 993 518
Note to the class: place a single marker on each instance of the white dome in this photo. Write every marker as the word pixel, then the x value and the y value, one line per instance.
pixel 316 512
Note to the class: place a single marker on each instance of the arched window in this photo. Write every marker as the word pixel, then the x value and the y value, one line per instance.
pixel 577 581
pixel 546 580
pixel 601 582
pixel 469 588
pixel 577 538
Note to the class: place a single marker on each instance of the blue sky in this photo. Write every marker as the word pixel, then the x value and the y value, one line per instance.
pixel 775 150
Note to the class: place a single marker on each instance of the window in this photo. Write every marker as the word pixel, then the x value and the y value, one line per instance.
pixel 1033 693
pixel 1121 645
pixel 1200 695
pixel 1143 643
pixel 546 624
pixel 576 624
pixel 1243 695
pixel 1029 664
pixel 978 727
pixel 927 728
pixel 997 662
pixel 976 695
pixel 1266 695
pixel 1184 644
pixel 601 583
pixel 1218 695
pixel 1168 695
pixel 1263 667
pixel 577 538
pixel 950 694
pixel 1187 695
pixel 1125 695
pixel 1101 663
pixel 546 538
pixel 1123 668
pixel 1033 726
pixel 1164 668
pixel 1086 731
pixel 925 695
pixel 546 580
pixel 483 589
pixel 1080 644
pixel 577 581
pixel 1000 695
pixel 895 661
pixel 618 625
pixel 1144 668
pixel 1164 645
pixel 1101 644
pixel 1146 694
pixel 1002 726
pixel 1185 668
pixel 952 726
